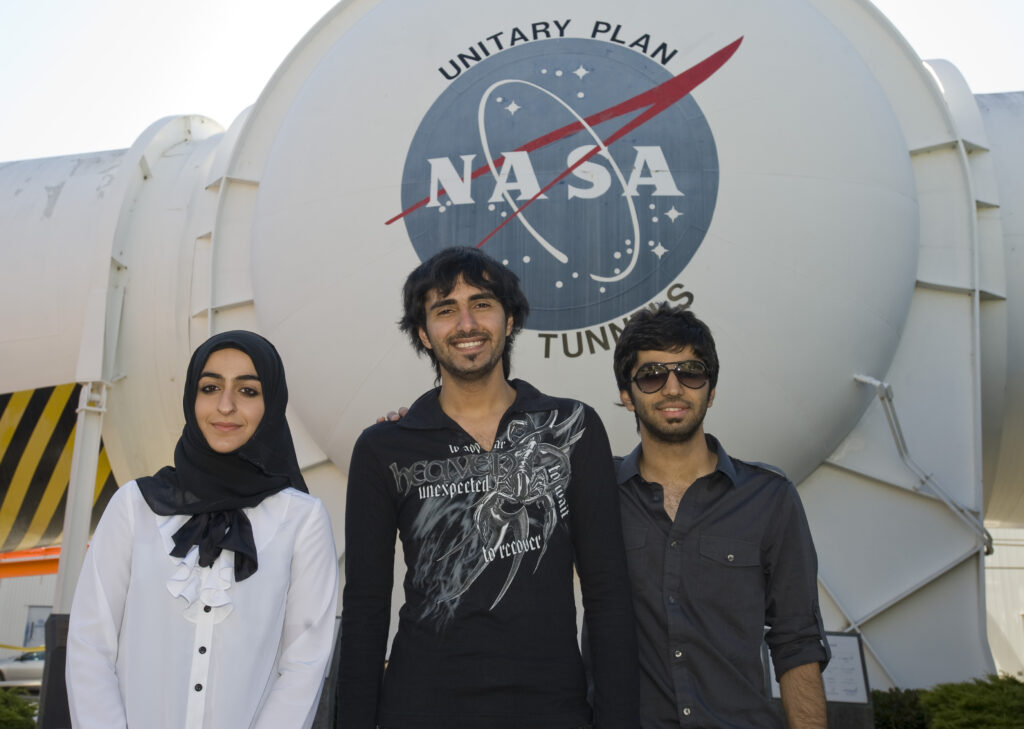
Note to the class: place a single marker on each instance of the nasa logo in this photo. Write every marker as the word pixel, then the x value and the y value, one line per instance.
pixel 582 165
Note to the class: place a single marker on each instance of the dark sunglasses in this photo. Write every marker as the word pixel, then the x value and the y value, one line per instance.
pixel 652 376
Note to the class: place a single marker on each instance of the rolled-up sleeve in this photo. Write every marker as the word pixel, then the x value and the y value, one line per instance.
pixel 796 634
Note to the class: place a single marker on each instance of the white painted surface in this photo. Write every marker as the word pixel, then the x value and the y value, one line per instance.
pixel 1002 114
pixel 16 595
pixel 53 279
pixel 1004 580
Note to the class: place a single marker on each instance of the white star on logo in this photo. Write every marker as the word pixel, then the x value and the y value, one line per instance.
pixel 673 214
pixel 513 107
pixel 659 250
pixel 581 72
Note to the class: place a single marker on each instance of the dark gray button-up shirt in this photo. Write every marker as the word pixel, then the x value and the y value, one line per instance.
pixel 738 558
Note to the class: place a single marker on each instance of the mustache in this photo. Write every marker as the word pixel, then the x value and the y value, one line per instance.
pixel 673 401
pixel 472 334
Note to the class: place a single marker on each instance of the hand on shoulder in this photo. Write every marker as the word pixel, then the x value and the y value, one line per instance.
pixel 393 416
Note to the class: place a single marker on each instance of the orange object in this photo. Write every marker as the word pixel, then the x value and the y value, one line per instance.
pixel 29 562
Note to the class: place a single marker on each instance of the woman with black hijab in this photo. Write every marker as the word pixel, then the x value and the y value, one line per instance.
pixel 207 597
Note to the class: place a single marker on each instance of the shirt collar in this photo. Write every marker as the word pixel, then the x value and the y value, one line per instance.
pixel 426 412
pixel 630 465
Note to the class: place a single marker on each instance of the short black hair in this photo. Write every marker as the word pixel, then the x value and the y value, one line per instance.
pixel 442 271
pixel 663 327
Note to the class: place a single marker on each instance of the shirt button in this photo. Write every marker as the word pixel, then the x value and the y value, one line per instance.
pixel 686 711
pixel 678 654
pixel 207 608
pixel 675 543
pixel 730 557
pixel 671 599
pixel 199 687
pixel 202 649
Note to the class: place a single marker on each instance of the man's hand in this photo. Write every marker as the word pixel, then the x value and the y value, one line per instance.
pixel 393 416
pixel 803 697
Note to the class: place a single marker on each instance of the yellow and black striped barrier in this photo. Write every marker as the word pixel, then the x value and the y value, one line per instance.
pixel 37 435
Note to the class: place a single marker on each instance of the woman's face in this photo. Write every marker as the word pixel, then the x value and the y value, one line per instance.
pixel 229 400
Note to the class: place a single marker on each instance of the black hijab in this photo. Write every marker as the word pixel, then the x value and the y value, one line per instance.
pixel 215 487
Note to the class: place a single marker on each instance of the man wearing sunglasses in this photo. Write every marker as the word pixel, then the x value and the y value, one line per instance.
pixel 718 549
pixel 497 491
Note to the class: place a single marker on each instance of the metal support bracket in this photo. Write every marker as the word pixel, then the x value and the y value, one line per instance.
pixel 925 480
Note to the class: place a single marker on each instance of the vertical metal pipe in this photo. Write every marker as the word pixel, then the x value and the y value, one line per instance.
pixel 81 489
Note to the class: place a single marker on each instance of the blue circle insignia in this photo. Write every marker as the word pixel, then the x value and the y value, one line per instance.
pixel 536 155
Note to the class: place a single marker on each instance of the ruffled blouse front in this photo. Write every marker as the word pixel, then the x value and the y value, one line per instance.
pixel 209 585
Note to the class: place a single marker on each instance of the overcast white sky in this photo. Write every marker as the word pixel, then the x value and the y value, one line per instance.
pixel 78 76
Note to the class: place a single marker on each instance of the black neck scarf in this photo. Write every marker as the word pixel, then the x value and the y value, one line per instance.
pixel 215 487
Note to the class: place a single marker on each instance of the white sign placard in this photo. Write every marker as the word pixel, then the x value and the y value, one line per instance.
pixel 845 678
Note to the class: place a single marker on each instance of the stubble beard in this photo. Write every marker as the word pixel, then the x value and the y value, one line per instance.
pixel 475 372
pixel 672 435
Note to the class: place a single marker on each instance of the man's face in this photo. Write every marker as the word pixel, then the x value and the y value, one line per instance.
pixel 675 413
pixel 466 330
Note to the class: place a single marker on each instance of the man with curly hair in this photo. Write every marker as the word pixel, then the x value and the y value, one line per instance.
pixel 497 491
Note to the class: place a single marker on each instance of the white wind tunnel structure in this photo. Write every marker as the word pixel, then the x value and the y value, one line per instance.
pixel 862 272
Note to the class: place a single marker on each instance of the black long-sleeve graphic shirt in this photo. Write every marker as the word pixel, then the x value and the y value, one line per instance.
pixel 487 634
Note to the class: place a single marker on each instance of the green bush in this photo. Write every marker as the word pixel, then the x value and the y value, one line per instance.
pixel 899 709
pixel 16 712
pixel 993 703
pixel 996 702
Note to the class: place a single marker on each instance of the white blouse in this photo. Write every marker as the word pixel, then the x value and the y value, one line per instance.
pixel 158 642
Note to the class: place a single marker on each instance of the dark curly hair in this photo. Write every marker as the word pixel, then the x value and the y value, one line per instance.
pixel 442 272
pixel 663 327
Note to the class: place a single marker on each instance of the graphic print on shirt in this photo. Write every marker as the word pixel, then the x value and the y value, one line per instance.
pixel 516 499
